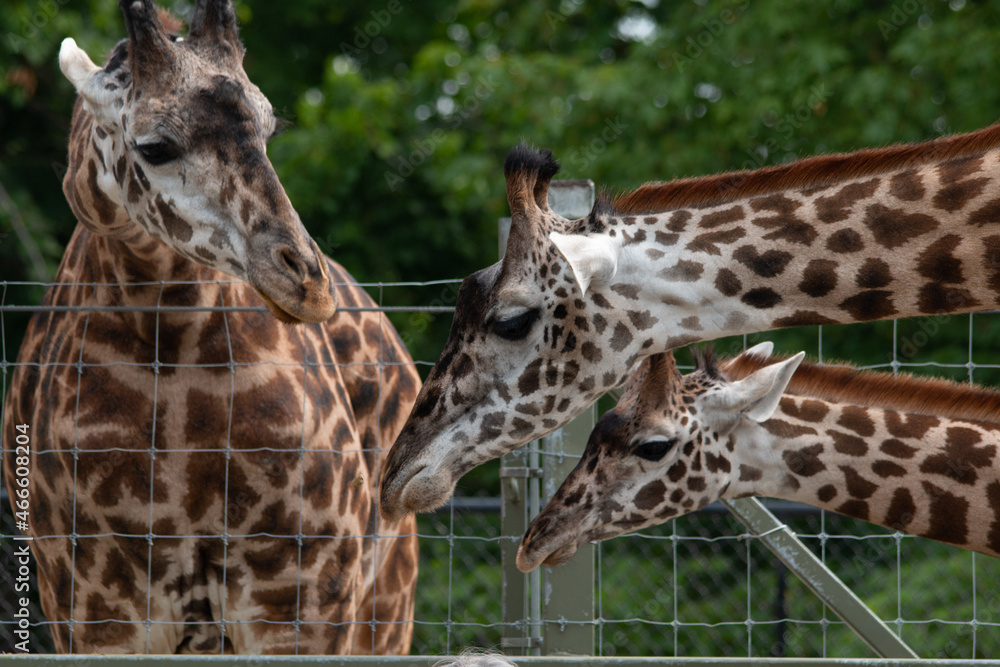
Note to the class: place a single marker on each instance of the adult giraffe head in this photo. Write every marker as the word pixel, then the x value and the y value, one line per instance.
pixel 178 152
pixel 511 368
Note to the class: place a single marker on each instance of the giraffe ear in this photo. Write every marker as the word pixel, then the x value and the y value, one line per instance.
pixel 756 396
pixel 760 350
pixel 593 259
pixel 98 90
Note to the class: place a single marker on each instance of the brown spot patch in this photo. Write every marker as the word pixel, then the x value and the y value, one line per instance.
pixel 948 515
pixel 836 207
pixel 761 297
pixel 650 495
pixel 785 224
pixel 826 493
pixel 854 507
pixel 895 227
pixel 937 262
pixel 768 264
pixel 902 510
pixel 907 186
pixel 897 448
pixel 819 278
pixel 885 468
pixel 750 473
pixel 874 273
pixel 909 425
pixel 845 443
pixel 683 271
pixel 857 486
pixel 786 430
pixel 621 337
pixel 855 418
pixel 808 410
pixel 954 196
pixel 805 461
pixel 709 242
pixel 727 282
pixel 960 457
pixel 869 305
pixel 802 318
pixel 845 241
pixel 987 214
pixel 723 217
pixel 175 226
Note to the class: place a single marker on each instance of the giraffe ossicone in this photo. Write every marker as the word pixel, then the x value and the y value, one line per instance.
pixel 203 479
pixel 913 454
pixel 884 233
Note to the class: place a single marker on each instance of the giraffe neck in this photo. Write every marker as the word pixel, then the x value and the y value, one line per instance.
pixel 924 475
pixel 127 263
pixel 917 240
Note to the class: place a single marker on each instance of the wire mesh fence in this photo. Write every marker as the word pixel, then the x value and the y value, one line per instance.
pixel 697 586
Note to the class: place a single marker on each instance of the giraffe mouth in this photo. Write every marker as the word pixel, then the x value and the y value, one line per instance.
pixel 527 561
pixel 277 310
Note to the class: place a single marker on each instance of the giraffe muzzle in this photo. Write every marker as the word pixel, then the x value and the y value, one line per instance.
pixel 292 279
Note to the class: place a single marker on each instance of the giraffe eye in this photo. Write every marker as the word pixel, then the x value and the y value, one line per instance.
pixel 654 450
pixel 517 327
pixel 157 153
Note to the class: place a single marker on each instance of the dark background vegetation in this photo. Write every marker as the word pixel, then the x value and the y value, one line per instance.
pixel 402 112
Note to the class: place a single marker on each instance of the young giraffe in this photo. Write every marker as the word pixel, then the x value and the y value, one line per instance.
pixel 916 455
pixel 575 305
pixel 204 482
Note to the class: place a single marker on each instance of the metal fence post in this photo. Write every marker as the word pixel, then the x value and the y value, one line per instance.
pixel 560 621
pixel 567 592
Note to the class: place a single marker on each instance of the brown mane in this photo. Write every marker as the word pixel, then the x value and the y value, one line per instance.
pixel 874 389
pixel 817 171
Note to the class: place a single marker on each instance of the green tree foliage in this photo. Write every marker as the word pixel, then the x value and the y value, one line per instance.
pixel 402 112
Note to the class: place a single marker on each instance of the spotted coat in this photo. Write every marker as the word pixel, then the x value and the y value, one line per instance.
pixel 914 455
pixel 204 482
pixel 575 305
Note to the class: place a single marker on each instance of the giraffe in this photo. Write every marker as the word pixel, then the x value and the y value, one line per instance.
pixel 204 481
pixel 913 454
pixel 575 305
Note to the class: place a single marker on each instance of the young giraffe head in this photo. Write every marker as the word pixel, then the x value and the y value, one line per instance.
pixel 511 367
pixel 177 150
pixel 669 438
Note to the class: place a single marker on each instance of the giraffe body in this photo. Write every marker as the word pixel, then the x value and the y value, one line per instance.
pixel 575 305
pixel 914 455
pixel 204 482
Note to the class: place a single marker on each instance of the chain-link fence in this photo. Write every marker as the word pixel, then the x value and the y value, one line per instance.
pixel 698 586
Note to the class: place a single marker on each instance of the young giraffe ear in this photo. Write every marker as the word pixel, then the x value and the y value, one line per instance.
pixel 757 395
pixel 760 350
pixel 90 81
pixel 593 259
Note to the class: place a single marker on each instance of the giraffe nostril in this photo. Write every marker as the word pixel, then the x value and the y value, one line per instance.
pixel 291 261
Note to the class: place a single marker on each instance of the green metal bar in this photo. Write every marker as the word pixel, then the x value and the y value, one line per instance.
pixel 784 544
pixel 567 604
pixel 568 590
